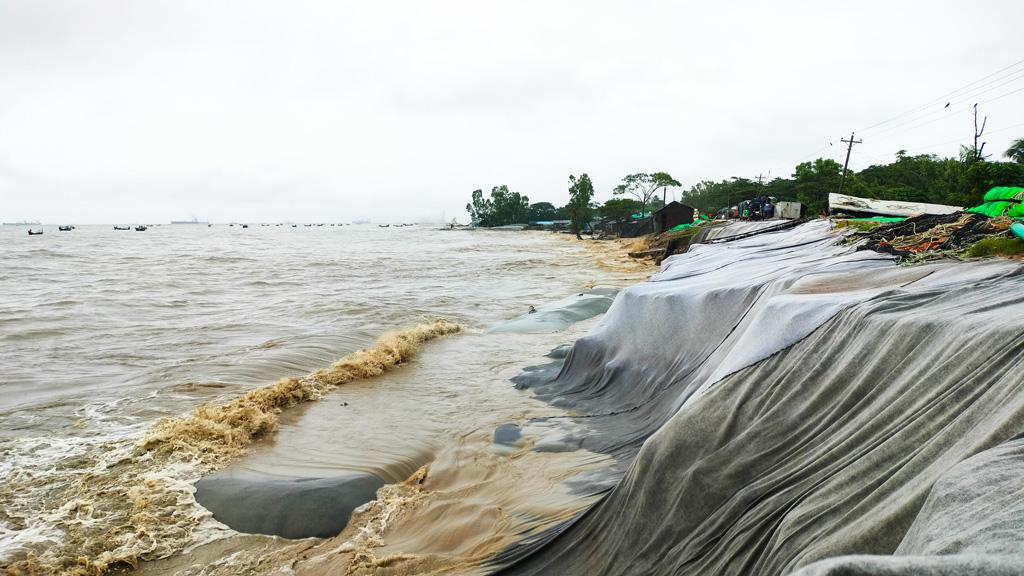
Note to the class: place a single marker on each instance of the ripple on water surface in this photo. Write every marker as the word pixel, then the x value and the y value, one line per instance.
pixel 104 332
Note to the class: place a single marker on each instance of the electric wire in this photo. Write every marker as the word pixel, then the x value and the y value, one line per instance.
pixel 947 95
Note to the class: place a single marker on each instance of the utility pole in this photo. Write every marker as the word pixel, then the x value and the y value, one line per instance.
pixel 849 148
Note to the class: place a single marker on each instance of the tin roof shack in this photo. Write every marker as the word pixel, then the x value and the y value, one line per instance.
pixel 671 215
pixel 628 228
pixel 553 225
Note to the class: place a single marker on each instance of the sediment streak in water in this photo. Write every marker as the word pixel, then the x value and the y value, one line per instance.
pixel 134 499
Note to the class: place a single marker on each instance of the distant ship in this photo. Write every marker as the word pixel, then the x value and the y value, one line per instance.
pixel 21 223
pixel 194 220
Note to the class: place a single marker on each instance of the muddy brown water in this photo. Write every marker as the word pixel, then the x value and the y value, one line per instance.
pixel 105 332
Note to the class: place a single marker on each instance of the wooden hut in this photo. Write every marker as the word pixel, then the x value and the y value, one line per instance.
pixel 673 214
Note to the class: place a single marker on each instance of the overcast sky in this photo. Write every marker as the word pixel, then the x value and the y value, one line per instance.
pixel 332 111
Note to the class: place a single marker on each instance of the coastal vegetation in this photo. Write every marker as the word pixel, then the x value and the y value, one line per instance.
pixel 643 186
pixel 960 181
pixel 922 178
pixel 620 208
pixel 544 211
pixel 580 206
pixel 503 207
pixel 1016 151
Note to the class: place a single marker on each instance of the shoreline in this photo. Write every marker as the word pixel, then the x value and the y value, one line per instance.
pixel 594 438
pixel 147 495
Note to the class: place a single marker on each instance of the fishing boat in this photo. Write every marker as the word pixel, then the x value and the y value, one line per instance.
pixel 34 233
pixel 140 228
pixel 245 225
pixel 384 225
pixel 122 227
pixel 65 228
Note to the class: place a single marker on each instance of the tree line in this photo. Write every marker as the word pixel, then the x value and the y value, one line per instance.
pixel 505 207
pixel 959 181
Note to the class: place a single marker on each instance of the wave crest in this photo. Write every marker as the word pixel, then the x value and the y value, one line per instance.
pixel 217 432
pixel 133 500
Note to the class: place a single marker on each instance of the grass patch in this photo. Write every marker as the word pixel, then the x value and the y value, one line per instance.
pixel 859 225
pixel 996 246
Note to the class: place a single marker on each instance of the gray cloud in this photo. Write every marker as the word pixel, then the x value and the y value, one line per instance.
pixel 334 111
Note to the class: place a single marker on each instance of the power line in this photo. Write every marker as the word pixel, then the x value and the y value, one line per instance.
pixel 953 141
pixel 889 134
pixel 967 98
pixel 812 155
pixel 964 93
pixel 1003 96
pixel 924 148
pixel 944 96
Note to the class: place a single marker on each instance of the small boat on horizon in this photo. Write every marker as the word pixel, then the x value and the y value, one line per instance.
pixel 140 228
pixel 34 233
pixel 122 227
pixel 384 225
pixel 65 228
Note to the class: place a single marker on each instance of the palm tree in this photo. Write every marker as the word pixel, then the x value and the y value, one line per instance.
pixel 1016 151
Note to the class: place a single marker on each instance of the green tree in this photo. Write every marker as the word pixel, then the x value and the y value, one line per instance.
pixel 981 177
pixel 503 207
pixel 814 181
pixel 542 211
pixel 642 186
pixel 709 196
pixel 581 192
pixel 620 208
pixel 910 178
pixel 1016 151
pixel 480 209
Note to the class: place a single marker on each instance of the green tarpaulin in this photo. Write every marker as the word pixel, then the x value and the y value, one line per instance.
pixel 684 226
pixel 1002 201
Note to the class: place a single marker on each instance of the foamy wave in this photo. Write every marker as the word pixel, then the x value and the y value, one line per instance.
pixel 215 432
pixel 126 500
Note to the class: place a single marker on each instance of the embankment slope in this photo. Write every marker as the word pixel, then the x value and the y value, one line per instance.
pixel 784 403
